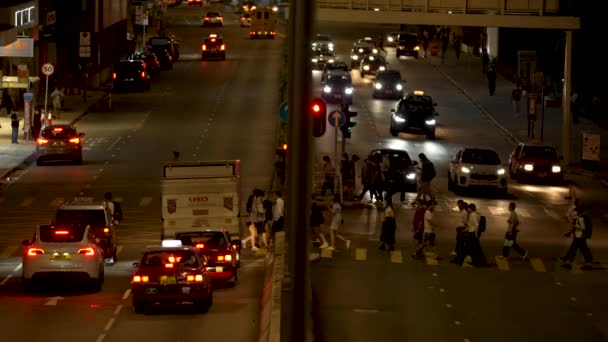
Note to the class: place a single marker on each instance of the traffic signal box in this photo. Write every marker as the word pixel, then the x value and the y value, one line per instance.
pixel 348 125
pixel 318 110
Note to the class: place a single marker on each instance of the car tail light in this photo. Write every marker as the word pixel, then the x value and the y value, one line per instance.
pixel 86 251
pixel 168 265
pixel 113 75
pixel 57 129
pixel 75 140
pixel 173 259
pixel 141 278
pixel 145 279
pixel 35 251
pixel 198 278
pixel 61 232
pixel 220 18
pixel 200 245
pixel 143 74
pixel 206 18
pixel 42 141
pixel 106 230
pixel 220 258
pixel 272 33
pixel 228 257
pixel 223 47
pixel 190 278
pixel 204 47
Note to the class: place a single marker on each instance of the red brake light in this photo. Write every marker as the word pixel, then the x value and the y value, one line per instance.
pixel 190 278
pixel 206 18
pixel 42 141
pixel 35 251
pixel 316 108
pixel 75 140
pixel 223 47
pixel 136 279
pixel 272 33
pixel 61 232
pixel 86 251
pixel 106 230
pixel 198 278
pixel 200 245
pixel 204 47
pixel 168 265
pixel 143 74
pixel 220 258
pixel 145 279
pixel 228 257
pixel 114 75
pixel 57 129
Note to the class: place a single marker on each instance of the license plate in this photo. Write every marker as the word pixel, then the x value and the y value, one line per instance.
pixel 388 91
pixel 61 257
pixel 542 174
pixel 57 144
pixel 151 290
pixel 219 269
pixel 167 280
pixel 214 50
pixel 337 96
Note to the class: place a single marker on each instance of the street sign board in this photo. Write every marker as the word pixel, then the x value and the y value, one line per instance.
pixel 48 69
pixel 85 38
pixel 283 111
pixel 336 118
pixel 84 51
pixel 51 18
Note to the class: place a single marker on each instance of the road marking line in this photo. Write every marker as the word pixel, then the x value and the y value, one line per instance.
pixel 523 212
pixel 497 211
pixel 8 251
pixel 56 202
pixel 126 294
pixel 366 310
pixel 361 254
pixel 27 202
pixel 553 214
pixel 145 201
pixel 326 253
pixel 119 249
pixel 117 310
pixel 502 263
pixel 18 267
pixel 109 324
pixel 431 261
pixel 537 265
pixel 100 338
pixel 5 280
pixel 396 257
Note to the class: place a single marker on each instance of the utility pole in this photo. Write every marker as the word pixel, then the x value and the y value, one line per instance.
pixel 296 319
pixel 567 116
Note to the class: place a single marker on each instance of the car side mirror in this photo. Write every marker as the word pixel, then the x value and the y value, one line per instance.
pixel 25 243
pixel 81 134
pixel 135 265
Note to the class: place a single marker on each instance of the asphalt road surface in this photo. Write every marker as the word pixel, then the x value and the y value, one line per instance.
pixel 213 110
pixel 363 294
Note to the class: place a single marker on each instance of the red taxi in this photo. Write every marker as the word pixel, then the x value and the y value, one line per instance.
pixel 171 274
pixel 218 251
pixel 535 161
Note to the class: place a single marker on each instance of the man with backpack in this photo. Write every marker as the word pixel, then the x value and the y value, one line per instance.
pixel 581 231
pixel 475 227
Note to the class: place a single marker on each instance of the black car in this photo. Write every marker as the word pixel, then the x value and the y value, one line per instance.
pixel 415 113
pixel 164 57
pixel 59 143
pixel 151 61
pixel 338 88
pixel 169 43
pixel 213 47
pixel 130 75
pixel 321 57
pixel 335 66
pixel 391 39
pixel 323 41
pixel 408 45
pixel 220 254
pixel 372 64
pixel 388 84
pixel 213 19
pixel 359 51
pixel 399 160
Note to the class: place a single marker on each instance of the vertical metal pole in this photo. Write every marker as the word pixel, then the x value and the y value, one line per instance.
pixel 542 112
pixel 299 180
pixel 46 97
pixel 336 161
pixel 567 116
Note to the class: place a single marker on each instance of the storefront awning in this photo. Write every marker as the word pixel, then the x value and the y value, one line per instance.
pixel 14 82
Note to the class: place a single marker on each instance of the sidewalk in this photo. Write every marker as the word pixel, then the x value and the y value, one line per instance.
pixel 13 155
pixel 466 75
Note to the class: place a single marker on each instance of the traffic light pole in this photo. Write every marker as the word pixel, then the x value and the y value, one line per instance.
pixel 295 321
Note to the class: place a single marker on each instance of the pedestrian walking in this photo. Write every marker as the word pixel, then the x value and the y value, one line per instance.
pixel 445 43
pixel 57 95
pixel 316 221
pixel 428 236
pixel 15 128
pixel 267 231
pixel 418 229
pixel 457 47
pixel 491 74
pixel 255 208
pixel 336 221
pixel 427 174
pixel 372 178
pixel 357 167
pixel 115 207
pixel 461 231
pixel 485 60
pixel 580 231
pixel 329 173
pixel 278 213
pixel 394 180
pixel 511 235
pixel 516 98
pixel 472 245
pixel 387 233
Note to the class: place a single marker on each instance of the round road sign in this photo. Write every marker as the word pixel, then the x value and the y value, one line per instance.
pixel 48 69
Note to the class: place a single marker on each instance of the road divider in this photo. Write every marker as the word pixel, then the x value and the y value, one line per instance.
pixel 270 302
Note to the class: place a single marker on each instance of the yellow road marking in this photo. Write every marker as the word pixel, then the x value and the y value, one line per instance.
pixel 396 257
pixel 56 202
pixel 326 253
pixel 119 249
pixel 9 251
pixel 361 254
pixel 502 263
pixel 145 201
pixel 431 260
pixel 537 265
pixel 26 202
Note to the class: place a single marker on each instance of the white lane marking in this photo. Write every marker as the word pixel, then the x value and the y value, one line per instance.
pixel 114 144
pixel 109 324
pixel 117 310
pixel 18 267
pixel 366 310
pixel 145 201
pixel 27 202
pixel 126 294
pixel 100 338
pixel 53 301
pixel 5 280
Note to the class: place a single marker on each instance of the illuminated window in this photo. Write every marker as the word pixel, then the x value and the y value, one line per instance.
pixel 24 16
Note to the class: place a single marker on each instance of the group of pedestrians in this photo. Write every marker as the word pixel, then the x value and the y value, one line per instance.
pixel 327 236
pixel 266 217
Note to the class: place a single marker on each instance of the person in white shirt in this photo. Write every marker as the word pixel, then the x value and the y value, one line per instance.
pixel 278 213
pixel 336 222
pixel 580 234
pixel 511 235
pixel 429 234
pixel 462 224
pixel 472 245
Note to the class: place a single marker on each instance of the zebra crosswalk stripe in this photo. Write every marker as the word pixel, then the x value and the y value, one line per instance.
pixel 361 254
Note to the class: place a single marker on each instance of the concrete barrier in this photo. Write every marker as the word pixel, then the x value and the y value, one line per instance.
pixel 270 302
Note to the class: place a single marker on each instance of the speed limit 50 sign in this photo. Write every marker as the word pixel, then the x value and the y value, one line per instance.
pixel 48 69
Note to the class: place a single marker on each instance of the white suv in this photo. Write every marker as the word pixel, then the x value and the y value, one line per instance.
pixel 477 167
pixel 58 251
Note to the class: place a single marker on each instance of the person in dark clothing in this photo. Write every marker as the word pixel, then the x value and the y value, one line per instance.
pixel 7 102
pixel 427 173
pixel 15 128
pixel 580 233
pixel 37 122
pixel 316 220
pixel 491 74
pixel 394 180
pixel 445 42
pixel 457 47
pixel 389 226
pixel 485 60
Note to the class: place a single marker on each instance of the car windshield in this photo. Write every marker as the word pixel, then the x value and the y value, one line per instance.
pixel 339 80
pixel 157 259
pixel 389 77
pixel 127 67
pixel 96 218
pixel 337 67
pixel 540 152
pixel 415 107
pixel 61 233
pixel 213 14
pixel 375 59
pixel 208 239
pixel 480 157
pixel 58 133
pixel 214 42
pixel 408 38
pixel 363 49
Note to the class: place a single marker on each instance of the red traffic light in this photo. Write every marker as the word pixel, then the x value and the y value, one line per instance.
pixel 316 108
pixel 319 116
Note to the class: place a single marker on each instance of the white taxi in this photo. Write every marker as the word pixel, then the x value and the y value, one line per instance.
pixel 63 252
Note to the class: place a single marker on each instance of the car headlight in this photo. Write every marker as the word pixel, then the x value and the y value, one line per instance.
pixel 314 60
pixel 331 61
pixel 431 122
pixel 398 119
pixel 417 48
pixel 378 85
pixel 348 91
pixel 360 50
pixel 399 87
pixel 366 67
pixel 330 46
pixel 528 167
pixel 314 44
pixel 327 89
pixel 465 169
pixel 382 68
pixel 354 57
pixel 411 175
pixel 500 171
pixel 375 50
pixel 390 39
pixel 556 169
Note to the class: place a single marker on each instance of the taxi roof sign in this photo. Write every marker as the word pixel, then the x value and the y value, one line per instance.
pixel 418 92
pixel 212 35
pixel 171 243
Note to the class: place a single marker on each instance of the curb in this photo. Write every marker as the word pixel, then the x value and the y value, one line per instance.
pixel 29 159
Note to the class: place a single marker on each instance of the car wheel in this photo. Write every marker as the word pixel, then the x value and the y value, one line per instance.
pixel 394 131
pixel 205 304
pixel 39 162
pixel 139 307
pixel 98 283
pixel 78 161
